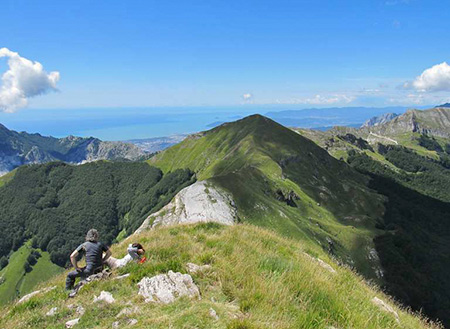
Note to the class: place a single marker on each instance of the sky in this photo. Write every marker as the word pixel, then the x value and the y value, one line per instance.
pixel 109 54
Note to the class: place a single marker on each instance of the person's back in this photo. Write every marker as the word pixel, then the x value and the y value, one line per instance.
pixel 93 251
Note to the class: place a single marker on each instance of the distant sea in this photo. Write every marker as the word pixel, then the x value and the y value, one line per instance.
pixel 142 123
pixel 121 123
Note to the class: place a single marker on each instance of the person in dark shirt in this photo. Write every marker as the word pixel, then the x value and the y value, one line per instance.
pixel 93 251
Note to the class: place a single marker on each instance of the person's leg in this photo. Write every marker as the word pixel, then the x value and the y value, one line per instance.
pixel 70 280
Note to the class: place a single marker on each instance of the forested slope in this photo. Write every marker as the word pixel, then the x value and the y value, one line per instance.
pixel 54 204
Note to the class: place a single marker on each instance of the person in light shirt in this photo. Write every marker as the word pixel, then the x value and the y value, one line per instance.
pixel 135 253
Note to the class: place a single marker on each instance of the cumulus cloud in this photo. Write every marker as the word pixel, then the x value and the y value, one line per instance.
pixel 23 79
pixel 436 78
pixel 247 97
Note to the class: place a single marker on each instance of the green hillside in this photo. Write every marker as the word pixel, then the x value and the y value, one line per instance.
pixel 257 279
pixel 413 173
pixel 284 181
pixel 16 282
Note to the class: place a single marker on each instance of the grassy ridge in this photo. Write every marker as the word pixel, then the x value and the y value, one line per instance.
pixel 258 280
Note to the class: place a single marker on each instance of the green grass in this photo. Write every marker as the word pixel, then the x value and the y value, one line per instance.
pixel 258 280
pixel 43 270
pixel 17 282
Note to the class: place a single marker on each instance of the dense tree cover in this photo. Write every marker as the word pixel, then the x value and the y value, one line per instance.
pixel 414 250
pixel 55 203
pixel 428 176
pixel 430 143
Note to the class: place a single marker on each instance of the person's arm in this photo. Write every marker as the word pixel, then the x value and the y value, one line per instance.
pixel 107 255
pixel 73 260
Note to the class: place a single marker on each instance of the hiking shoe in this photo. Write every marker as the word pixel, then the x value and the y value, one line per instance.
pixel 72 293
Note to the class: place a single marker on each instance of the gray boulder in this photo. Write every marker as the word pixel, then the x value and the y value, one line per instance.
pixel 165 288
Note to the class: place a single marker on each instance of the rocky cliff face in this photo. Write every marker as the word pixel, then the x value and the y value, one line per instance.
pixel 434 122
pixel 17 149
pixel 200 202
pixel 375 121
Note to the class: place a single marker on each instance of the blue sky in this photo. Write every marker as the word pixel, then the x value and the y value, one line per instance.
pixel 209 53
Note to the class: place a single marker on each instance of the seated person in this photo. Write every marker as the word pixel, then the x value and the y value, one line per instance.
pixel 93 251
pixel 135 252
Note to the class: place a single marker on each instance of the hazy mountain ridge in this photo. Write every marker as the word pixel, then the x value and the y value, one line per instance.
pixel 156 144
pixel 19 148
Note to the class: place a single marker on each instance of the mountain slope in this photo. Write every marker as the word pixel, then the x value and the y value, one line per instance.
pixel 283 181
pixel 22 148
pixel 258 279
pixel 410 165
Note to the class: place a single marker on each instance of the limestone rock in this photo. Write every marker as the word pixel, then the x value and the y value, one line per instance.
pixel 165 288
pixel 132 322
pixel 104 296
pixel 128 311
pixel 200 202
pixel 52 311
pixel 326 266
pixel 120 277
pixel 385 307
pixel 34 293
pixel 194 268
pixel 321 263
pixel 80 310
pixel 72 323
pixel 213 314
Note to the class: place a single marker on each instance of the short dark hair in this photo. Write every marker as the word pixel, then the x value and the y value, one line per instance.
pixel 137 245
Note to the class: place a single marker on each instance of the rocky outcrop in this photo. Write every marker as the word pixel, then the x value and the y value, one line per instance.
pixel 34 293
pixel 385 307
pixel 165 288
pixel 378 120
pixel 104 296
pixel 200 202
pixel 72 323
pixel 194 268
pixel 433 122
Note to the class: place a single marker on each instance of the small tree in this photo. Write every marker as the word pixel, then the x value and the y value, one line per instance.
pixel 27 267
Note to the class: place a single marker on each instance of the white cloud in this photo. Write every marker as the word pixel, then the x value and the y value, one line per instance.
pixel 320 100
pixel 332 99
pixel 436 78
pixel 23 79
pixel 247 97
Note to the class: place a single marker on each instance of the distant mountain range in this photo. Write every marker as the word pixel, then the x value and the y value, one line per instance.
pixel 323 118
pixel 19 148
